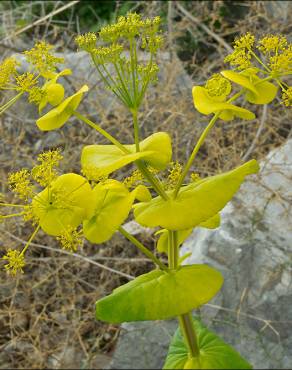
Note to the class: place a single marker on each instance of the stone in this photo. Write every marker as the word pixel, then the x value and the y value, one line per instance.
pixel 252 249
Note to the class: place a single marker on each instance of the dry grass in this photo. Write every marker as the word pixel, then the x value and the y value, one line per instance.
pixel 47 314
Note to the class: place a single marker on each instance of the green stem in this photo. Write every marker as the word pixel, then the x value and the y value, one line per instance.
pixel 105 81
pixel 30 240
pixel 10 102
pixel 13 205
pixel 194 153
pixel 142 248
pixel 123 84
pixel 185 320
pixel 260 61
pixel 133 68
pixel 188 331
pixel 199 144
pixel 102 132
pixel 12 215
pixel 152 179
pixel 136 128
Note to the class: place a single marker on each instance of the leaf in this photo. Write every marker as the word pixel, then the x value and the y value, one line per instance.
pixel 58 116
pixel 259 92
pixel 182 235
pixel 101 160
pixel 214 352
pixel 162 243
pixel 196 203
pixel 206 104
pixel 160 295
pixel 112 204
pixel 67 203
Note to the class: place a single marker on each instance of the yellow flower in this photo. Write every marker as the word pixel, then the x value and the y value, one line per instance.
pixel 87 41
pixel 244 42
pixel 7 70
pixel 258 91
pixel 45 172
pixel 207 104
pixel 19 183
pixel 272 43
pixel 58 116
pixel 15 261
pixel 42 59
pixel 287 97
pixel 70 239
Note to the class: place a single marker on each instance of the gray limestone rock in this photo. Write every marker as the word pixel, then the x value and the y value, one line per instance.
pixel 252 249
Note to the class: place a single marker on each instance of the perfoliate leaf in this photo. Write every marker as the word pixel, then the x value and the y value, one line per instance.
pixel 214 353
pixel 258 91
pixel 206 104
pixel 160 295
pixel 162 243
pixel 196 203
pixel 182 235
pixel 67 202
pixel 101 160
pixel 58 116
pixel 112 203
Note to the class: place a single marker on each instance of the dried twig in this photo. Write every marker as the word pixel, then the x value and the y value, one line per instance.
pixel 76 255
pixel 260 129
pixel 41 20
pixel 204 27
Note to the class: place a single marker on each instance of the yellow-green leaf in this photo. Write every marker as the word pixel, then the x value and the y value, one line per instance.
pixel 214 353
pixel 58 116
pixel 160 146
pixel 162 243
pixel 195 203
pixel 112 204
pixel 67 202
pixel 205 104
pixel 101 160
pixel 258 91
pixel 182 235
pixel 160 295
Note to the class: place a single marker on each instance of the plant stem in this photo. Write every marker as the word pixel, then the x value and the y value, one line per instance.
pixel 199 144
pixel 142 248
pixel 10 102
pixel 141 165
pixel 30 240
pixel 188 331
pixel 102 132
pixel 194 153
pixel 136 128
pixel 185 320
pixel 152 179
pixel 12 205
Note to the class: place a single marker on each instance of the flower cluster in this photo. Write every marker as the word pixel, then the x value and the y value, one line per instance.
pixel 42 59
pixel 39 83
pixel 271 57
pixel 124 40
pixel 58 209
pixel 46 172
pixel 7 71
pixel 15 261
pixel 70 239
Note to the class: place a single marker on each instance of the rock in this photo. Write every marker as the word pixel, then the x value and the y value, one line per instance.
pixel 143 345
pixel 252 249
